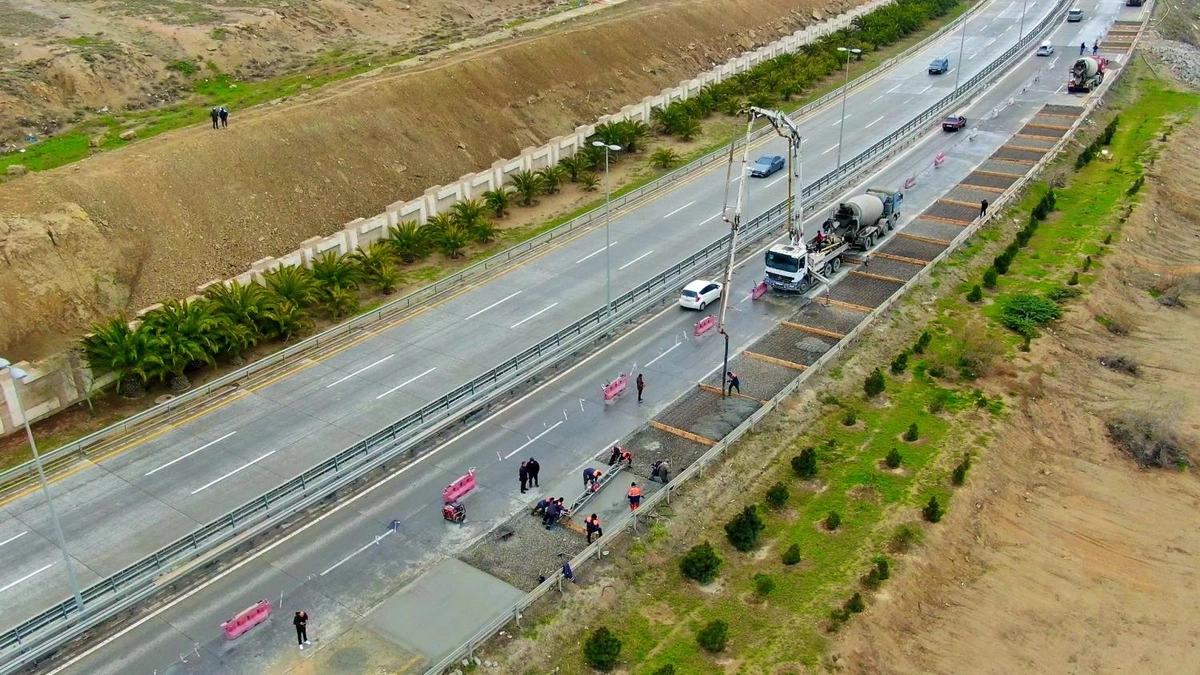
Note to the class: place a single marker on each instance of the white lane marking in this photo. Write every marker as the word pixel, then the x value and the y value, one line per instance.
pixel 669 350
pixel 877 120
pixel 878 97
pixel 366 546
pixel 715 215
pixel 602 249
pixel 177 459
pixel 27 577
pixel 534 315
pixel 754 258
pixel 360 371
pixel 533 440
pixel 831 149
pixel 926 89
pixel 679 209
pixel 1008 29
pixel 989 42
pixel 895 88
pixel 776 181
pixel 405 383
pixel 635 260
pixel 14 538
pixel 973 54
pixel 492 305
pixel 837 121
pixel 244 466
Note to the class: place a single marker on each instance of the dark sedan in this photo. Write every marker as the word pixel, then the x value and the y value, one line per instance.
pixel 954 123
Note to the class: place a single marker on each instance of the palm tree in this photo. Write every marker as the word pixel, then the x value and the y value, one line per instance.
pixel 181 336
pixel 335 270
pixel 637 132
pixel 528 185
pixel 294 284
pixel 589 181
pixel 472 214
pixel 409 240
pixel 573 165
pixel 340 301
pixel 611 133
pixel 688 129
pixel 116 348
pixel 286 319
pixel 452 239
pixel 664 158
pixel 438 224
pixel 241 305
pixel 498 201
pixel 377 263
pixel 552 178
pixel 387 280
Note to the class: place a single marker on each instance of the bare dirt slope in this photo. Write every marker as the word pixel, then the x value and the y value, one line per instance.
pixel 1063 556
pixel 128 228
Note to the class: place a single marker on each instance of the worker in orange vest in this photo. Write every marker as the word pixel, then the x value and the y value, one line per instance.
pixel 635 496
pixel 592 523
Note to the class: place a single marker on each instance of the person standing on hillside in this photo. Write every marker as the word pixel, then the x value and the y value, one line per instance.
pixel 215 115
pixel 224 117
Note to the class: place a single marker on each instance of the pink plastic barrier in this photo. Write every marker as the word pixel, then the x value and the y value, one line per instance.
pixel 246 619
pixel 909 182
pixel 616 387
pixel 759 291
pixel 459 488
pixel 939 158
pixel 703 325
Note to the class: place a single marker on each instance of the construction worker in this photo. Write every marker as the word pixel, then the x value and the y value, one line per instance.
pixel 983 208
pixel 1095 48
pixel 1082 47
pixel 735 382
pixel 627 458
pixel 660 471
pixel 635 496
pixel 553 511
pixel 592 523
pixel 539 509
pixel 591 479
pixel 615 456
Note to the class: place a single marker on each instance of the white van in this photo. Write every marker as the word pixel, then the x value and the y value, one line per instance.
pixel 1075 15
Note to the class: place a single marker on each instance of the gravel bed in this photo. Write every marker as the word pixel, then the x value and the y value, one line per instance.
pixel 1034 131
pixel 1051 109
pixel 921 228
pixel 530 550
pixel 898 269
pixel 1033 142
pixel 1025 155
pixel 828 317
pixel 989 180
pixel 912 248
pixel 1006 168
pixel 650 444
pixel 955 212
pixel 965 193
pixel 1054 121
pixel 760 379
pixel 708 414
pixel 794 345
pixel 864 291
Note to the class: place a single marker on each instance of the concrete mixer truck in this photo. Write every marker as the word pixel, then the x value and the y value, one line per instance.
pixel 861 220
pixel 1086 74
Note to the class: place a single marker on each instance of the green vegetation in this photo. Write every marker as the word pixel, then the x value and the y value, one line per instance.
pixel 933 510
pixel 912 434
pixel 744 529
pixel 777 496
pixel 833 521
pixel 700 563
pixel 805 464
pixel 792 555
pixel 893 459
pixel 602 649
pixel 874 384
pixel 763 585
pixel 714 636
pixel 900 363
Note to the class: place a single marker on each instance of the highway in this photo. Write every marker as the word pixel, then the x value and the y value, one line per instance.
pixel 131 504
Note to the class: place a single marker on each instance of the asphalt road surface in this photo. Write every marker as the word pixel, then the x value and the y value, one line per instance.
pixel 133 503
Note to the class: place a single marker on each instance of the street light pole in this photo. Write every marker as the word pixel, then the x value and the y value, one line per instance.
pixel 607 221
pixel 1021 30
pixel 961 43
pixel 845 89
pixel 20 375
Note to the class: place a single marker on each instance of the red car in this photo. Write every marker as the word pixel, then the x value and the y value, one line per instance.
pixel 954 123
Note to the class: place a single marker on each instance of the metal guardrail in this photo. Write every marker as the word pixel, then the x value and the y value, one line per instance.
pixel 137 581
pixel 26 473
pixel 629 521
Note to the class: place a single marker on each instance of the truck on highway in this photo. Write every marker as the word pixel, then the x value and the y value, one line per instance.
pixel 795 267
pixel 1133 3
pixel 863 219
pixel 1086 74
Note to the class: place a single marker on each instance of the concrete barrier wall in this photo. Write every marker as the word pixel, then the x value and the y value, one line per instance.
pixel 63 380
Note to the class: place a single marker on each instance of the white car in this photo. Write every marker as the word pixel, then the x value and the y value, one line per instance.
pixel 1046 49
pixel 700 294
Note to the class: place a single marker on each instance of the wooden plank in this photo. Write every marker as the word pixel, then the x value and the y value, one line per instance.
pixel 880 277
pixel 958 202
pixel 814 331
pixel 913 261
pixel 772 359
pixel 1000 173
pixel 861 308
pixel 927 240
pixel 682 434
pixel 985 188
pixel 949 221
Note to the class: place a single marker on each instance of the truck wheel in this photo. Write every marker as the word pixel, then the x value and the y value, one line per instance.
pixel 804 286
pixel 836 264
pixel 870 241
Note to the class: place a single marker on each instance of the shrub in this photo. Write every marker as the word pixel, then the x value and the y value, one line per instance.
pixel 183 67
pixel 871 579
pixel 744 529
pixel 912 434
pixel 837 617
pixel 932 511
pixel 792 555
pixel 763 584
pixel 601 649
pixel 874 384
pixel 850 419
pixel 833 521
pixel 900 363
pixel 668 669
pixel 855 604
pixel 701 563
pixel 1087 263
pixel 959 475
pixel 777 496
pixel 990 277
pixel 936 370
pixel 1074 280
pixel 714 636
pixel 664 158
pixel 1149 437
pixel 975 294
pixel 904 538
pixel 1001 262
pixel 1023 236
pixel 1108 238
pixel 1025 312
pixel 1135 187
pixel 805 464
pixel 893 459
pixel 1121 364
pixel 922 342
pixel 1062 294
pixel 882 566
